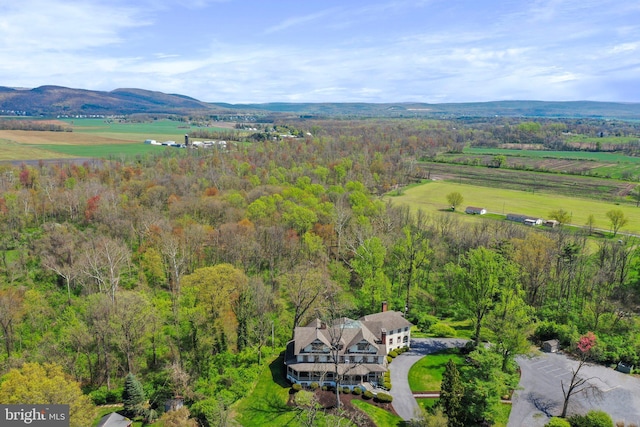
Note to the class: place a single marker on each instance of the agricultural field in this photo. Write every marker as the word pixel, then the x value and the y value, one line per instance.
pixel 597 164
pixel 530 181
pixel 90 138
pixel 431 198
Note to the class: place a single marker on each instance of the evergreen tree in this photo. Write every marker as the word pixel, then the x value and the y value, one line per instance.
pixel 451 393
pixel 133 397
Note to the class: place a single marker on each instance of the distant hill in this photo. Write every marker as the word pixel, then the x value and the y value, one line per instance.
pixel 579 109
pixel 55 100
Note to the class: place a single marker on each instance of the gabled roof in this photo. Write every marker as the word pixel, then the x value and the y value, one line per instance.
pixel 349 332
pixel 114 420
pixel 305 335
pixel 388 320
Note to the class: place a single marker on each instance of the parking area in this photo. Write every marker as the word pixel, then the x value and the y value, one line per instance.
pixel 540 396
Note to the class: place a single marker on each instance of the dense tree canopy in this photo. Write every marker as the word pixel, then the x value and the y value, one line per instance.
pixel 188 267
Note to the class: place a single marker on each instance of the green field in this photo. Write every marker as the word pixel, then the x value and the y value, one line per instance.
pixel 104 151
pixel 544 154
pixel 98 138
pixel 431 198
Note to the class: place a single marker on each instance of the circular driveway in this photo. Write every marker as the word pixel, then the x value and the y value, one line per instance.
pixel 403 401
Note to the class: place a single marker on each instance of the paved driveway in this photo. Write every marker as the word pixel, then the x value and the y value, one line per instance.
pixel 403 401
pixel 541 396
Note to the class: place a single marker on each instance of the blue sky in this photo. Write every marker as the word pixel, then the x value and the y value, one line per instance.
pixel 328 51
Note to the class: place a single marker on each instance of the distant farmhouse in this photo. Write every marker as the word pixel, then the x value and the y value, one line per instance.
pixel 475 211
pixel 189 144
pixel 360 346
pixel 525 219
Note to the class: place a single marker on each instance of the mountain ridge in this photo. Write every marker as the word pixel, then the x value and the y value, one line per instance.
pixel 51 100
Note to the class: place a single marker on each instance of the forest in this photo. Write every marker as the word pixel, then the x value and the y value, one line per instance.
pixel 184 272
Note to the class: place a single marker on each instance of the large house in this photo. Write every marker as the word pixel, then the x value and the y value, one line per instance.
pixel 359 346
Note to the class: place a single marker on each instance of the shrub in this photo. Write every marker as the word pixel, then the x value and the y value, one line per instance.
pixel 296 387
pixel 102 396
pixel 393 354
pixel 314 386
pixel 367 395
pixel 384 398
pixel 387 385
pixel 424 321
pixel 549 330
pixel 325 388
pixel 592 419
pixel 557 422
pixel 442 330
pixel 389 359
pixel 357 391
pixel 346 390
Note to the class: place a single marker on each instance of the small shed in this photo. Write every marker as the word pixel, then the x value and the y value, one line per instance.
pixel 551 223
pixel 624 368
pixel 551 346
pixel 114 419
pixel 173 404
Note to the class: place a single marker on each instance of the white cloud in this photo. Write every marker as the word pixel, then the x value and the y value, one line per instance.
pixel 327 51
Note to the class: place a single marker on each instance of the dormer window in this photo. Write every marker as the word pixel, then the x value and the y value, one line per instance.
pixel 363 346
pixel 317 346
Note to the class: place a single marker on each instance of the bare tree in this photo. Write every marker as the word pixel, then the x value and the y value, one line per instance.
pixel 103 263
pixel 578 384
pixel 58 249
pixel 304 287
pixel 11 300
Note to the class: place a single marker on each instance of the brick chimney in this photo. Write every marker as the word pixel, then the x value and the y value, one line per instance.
pixel 384 306
pixel 383 336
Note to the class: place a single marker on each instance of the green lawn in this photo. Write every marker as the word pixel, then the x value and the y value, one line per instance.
pixel 432 197
pixel 426 403
pixel 426 374
pixel 379 416
pixel 267 405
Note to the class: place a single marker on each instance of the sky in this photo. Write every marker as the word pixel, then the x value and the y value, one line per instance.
pixel 257 51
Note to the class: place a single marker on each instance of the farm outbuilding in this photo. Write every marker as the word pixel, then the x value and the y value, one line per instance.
pixel 475 211
pixel 524 219
pixel 551 346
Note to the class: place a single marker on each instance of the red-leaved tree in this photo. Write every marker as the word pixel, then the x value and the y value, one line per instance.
pixel 578 384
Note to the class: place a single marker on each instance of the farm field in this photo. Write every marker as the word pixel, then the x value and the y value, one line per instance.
pixel 597 164
pixel 90 138
pixel 431 197
pixel 529 181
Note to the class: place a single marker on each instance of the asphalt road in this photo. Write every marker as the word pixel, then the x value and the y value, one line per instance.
pixel 403 401
pixel 540 395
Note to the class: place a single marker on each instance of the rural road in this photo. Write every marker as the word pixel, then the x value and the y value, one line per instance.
pixel 403 401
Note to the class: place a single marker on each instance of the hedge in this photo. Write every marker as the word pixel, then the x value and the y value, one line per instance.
pixel 384 398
